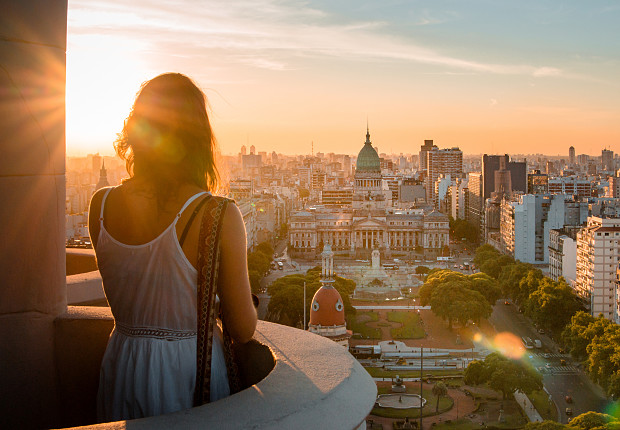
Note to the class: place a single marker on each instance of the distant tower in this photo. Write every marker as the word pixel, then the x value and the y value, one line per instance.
pixel 571 155
pixel 103 178
pixel 327 313
pixel 607 159
pixel 243 150
pixel 252 150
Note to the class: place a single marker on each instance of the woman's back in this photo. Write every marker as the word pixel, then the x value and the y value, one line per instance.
pixel 148 284
pixel 149 367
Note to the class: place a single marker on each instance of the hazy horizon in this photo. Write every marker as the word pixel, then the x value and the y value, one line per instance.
pixel 483 76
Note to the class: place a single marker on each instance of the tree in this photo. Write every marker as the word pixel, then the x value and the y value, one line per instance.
pixel 591 420
pixel 259 262
pixel 286 303
pixel 579 333
pixel 461 229
pixel 453 301
pixel 266 249
pixel 507 376
pixel 528 285
pixel 604 356
pixel 422 270
pixel 439 390
pixel 255 279
pixel 486 286
pixel 510 277
pixel 544 425
pixel 475 373
pixel 552 305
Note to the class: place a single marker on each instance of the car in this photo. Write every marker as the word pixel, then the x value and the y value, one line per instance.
pixel 506 302
pixel 569 411
pixel 280 265
pixel 568 399
pixel 541 331
pixel 562 362
pixel 548 365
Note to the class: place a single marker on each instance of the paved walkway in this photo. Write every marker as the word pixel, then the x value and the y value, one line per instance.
pixel 390 307
pixel 527 406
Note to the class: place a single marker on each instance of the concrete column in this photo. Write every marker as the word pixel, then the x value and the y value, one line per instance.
pixel 32 219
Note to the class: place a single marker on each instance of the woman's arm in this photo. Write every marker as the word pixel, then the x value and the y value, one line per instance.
pixel 234 285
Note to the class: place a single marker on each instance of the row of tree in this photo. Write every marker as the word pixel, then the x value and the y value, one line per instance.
pixel 586 421
pixel 456 297
pixel 596 343
pixel 550 304
pixel 259 263
pixel 287 296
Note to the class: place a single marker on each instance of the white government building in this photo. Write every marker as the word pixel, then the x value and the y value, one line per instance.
pixel 370 222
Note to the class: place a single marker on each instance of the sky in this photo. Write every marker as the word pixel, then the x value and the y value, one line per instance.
pixel 488 76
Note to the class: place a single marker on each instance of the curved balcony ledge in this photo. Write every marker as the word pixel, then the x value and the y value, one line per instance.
pixel 315 383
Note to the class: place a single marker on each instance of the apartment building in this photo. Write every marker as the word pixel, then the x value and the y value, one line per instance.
pixel 598 255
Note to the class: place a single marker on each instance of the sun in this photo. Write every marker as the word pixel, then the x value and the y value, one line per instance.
pixel 104 73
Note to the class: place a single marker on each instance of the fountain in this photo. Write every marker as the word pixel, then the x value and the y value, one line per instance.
pixel 400 401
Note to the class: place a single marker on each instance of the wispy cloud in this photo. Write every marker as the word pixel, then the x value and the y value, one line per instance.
pixel 265 34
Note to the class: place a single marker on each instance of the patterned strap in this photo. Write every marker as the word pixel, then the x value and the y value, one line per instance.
pixel 208 268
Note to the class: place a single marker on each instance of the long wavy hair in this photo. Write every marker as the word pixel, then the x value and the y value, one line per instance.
pixel 167 137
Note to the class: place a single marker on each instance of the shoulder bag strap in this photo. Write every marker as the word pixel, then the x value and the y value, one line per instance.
pixel 208 267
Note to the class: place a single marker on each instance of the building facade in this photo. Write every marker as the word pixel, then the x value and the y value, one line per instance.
pixel 369 222
pixel 598 255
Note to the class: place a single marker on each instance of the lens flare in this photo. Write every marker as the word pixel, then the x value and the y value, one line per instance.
pixel 509 345
pixel 478 337
pixel 613 409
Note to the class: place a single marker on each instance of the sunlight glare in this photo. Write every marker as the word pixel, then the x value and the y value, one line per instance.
pixel 103 75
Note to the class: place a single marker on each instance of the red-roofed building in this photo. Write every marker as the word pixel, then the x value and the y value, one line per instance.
pixel 327 311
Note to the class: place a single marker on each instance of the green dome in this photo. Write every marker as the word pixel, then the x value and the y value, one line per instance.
pixel 368 159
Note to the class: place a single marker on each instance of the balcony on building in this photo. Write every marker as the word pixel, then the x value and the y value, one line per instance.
pixel 51 350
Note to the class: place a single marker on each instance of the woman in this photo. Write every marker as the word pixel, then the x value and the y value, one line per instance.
pixel 149 274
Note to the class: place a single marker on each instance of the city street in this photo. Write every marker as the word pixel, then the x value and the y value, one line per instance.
pixel 559 380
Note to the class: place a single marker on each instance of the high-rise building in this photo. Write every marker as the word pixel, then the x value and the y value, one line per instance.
pixel 518 174
pixel 571 155
pixel 570 185
pixel 607 159
pixel 503 180
pixel 582 159
pixel 527 219
pixel 537 183
pixel 442 161
pixel 243 150
pixel 475 199
pixel 424 149
pixel 598 255
pixel 614 187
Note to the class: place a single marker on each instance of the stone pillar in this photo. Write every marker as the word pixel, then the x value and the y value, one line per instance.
pixel 32 219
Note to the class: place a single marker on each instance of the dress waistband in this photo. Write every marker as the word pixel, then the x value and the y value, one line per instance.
pixel 154 332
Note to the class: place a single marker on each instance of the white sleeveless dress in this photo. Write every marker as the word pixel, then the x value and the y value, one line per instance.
pixel 149 367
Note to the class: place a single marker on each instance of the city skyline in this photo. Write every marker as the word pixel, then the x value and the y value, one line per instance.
pixel 282 76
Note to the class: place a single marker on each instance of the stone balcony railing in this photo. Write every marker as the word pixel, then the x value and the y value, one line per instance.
pixel 295 379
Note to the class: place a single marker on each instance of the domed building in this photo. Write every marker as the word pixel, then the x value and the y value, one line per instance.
pixel 370 222
pixel 368 192
pixel 327 310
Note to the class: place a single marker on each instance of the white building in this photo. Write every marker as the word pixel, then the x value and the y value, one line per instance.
pixel 598 254
pixel 563 254
pixel 527 219
pixel 369 222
